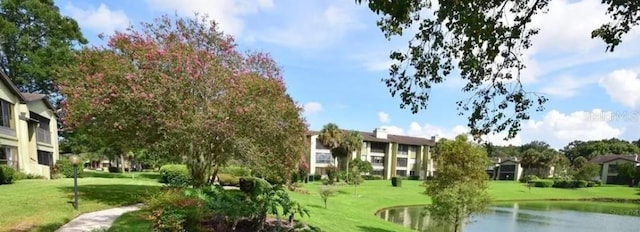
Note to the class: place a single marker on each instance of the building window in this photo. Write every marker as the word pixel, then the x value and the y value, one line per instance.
pixel 613 168
pixel 508 168
pixel 45 158
pixel 378 147
pixel 412 173
pixel 9 156
pixel 403 149
pixel 323 158
pixel 402 162
pixel 377 160
pixel 378 172
pixel 6 111
pixel 401 172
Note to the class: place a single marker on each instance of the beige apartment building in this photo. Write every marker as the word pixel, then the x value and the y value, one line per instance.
pixel 390 155
pixel 28 130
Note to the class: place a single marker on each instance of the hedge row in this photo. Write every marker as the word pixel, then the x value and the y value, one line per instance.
pixel 545 183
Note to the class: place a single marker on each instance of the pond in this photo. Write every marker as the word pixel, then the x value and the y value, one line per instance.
pixel 578 216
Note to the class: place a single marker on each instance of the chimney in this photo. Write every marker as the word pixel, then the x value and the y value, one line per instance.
pixel 435 138
pixel 637 158
pixel 380 133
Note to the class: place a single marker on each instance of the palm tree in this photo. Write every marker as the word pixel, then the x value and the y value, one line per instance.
pixel 330 136
pixel 351 142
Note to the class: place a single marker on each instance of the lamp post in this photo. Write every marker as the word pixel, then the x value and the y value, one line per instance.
pixel 75 160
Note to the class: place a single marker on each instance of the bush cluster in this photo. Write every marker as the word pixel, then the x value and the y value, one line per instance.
pixel 114 169
pixel 541 183
pixel 529 178
pixel 64 168
pixel 225 179
pixel 396 181
pixel 372 177
pixel 175 175
pixel 236 171
pixel 24 176
pixel 414 178
pixel 546 183
pixel 174 211
pixel 6 174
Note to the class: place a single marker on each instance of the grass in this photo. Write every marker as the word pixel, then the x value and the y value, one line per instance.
pixel 131 222
pixel 349 213
pixel 45 205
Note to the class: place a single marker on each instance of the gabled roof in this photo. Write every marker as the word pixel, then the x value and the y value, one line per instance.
pixel 32 97
pixel 613 157
pixel 12 87
pixel 400 139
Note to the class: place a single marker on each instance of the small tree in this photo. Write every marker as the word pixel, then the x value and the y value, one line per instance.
pixel 628 172
pixel 326 191
pixel 582 169
pixel 459 189
pixel 356 179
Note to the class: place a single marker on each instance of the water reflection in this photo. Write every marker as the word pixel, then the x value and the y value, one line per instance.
pixel 527 217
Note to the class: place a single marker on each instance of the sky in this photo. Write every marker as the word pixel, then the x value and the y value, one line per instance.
pixel 334 56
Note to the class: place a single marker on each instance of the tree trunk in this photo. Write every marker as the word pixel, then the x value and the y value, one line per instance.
pixel 122 162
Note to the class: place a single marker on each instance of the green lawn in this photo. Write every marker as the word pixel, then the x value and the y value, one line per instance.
pixel 45 205
pixel 349 213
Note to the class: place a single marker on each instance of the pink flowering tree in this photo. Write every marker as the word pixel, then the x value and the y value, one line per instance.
pixel 180 87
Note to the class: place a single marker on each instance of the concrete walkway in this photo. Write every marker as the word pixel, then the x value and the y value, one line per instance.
pixel 96 220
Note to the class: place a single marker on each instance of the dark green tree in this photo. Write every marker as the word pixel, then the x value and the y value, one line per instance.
pixel 482 42
pixel 459 189
pixel 35 40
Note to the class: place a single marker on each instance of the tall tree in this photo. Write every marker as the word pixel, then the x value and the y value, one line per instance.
pixel 330 136
pixel 593 148
pixel 482 41
pixel 351 142
pixel 179 86
pixel 459 189
pixel 35 40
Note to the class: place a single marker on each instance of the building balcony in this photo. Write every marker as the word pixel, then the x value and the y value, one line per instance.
pixel 43 136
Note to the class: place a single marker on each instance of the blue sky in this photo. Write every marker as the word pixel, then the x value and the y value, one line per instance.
pixel 334 57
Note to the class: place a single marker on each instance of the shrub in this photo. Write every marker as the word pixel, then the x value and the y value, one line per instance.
pixel 332 173
pixel 597 182
pixel 24 176
pixel 228 180
pixel 396 181
pixel 6 174
pixel 542 183
pixel 325 193
pixel 571 184
pixel 317 177
pixel 529 178
pixel 117 170
pixel 174 211
pixel 414 177
pixel 175 175
pixel 64 167
pixel 562 184
pixel 254 186
pixel 236 171
pixel 372 177
pixel 580 184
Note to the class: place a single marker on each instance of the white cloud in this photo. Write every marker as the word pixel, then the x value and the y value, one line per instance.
pixel 383 117
pixel 393 130
pixel 623 86
pixel 227 13
pixel 100 19
pixel 555 128
pixel 564 42
pixel 309 28
pixel 568 24
pixel 566 86
pixel 312 108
